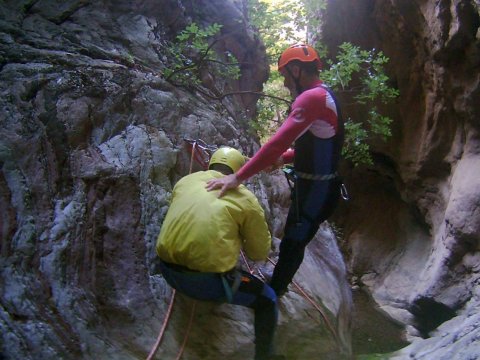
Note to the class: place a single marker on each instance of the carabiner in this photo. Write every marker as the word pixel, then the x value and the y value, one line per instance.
pixel 344 192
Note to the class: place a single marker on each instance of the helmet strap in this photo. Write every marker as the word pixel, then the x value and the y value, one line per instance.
pixel 298 87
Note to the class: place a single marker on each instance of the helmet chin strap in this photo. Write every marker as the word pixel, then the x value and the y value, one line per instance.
pixel 298 88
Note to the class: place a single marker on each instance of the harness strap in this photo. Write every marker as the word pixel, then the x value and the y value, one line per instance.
pixel 315 177
pixel 231 290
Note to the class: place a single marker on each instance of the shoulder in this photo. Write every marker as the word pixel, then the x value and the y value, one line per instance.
pixel 196 177
pixel 316 92
pixel 310 96
pixel 250 199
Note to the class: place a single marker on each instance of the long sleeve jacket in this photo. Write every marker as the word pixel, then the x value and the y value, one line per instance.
pixel 312 124
pixel 206 233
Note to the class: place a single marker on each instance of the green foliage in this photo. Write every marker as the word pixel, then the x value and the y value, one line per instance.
pixel 312 10
pixel 348 62
pixel 270 109
pixel 367 66
pixel 355 74
pixel 192 51
pixel 355 148
pixel 359 74
pixel 279 23
pixel 379 124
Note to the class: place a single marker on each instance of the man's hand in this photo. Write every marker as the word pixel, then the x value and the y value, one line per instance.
pixel 225 183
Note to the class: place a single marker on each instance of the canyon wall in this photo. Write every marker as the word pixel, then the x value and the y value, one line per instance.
pixel 412 227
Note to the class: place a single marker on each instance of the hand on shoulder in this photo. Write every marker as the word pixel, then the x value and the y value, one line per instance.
pixel 224 184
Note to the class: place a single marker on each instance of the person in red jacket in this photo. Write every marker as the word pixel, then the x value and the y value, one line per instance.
pixel 315 127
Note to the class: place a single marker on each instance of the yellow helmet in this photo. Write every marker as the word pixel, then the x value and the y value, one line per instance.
pixel 229 157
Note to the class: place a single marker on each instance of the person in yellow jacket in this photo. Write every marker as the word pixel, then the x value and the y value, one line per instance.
pixel 201 239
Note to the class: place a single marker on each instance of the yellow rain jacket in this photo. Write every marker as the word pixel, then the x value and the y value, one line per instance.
pixel 205 233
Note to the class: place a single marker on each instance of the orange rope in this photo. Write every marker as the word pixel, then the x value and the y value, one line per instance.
pixel 162 330
pixel 315 305
pixel 302 292
pixel 170 307
pixel 246 263
pixel 182 348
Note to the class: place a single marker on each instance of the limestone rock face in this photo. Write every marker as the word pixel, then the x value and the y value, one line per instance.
pixel 91 145
pixel 413 225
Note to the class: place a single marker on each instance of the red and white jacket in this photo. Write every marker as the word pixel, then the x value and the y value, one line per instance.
pixel 313 125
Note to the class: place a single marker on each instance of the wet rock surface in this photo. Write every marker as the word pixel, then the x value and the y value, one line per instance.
pixel 412 227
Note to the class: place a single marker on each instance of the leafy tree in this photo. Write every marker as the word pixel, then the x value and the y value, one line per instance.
pixel 356 72
pixel 192 52
pixel 359 73
pixel 279 23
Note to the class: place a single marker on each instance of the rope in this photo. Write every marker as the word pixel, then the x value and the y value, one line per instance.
pixel 315 305
pixel 201 152
pixel 192 313
pixel 250 270
pixel 164 326
pixel 172 300
pixel 182 348
pixel 194 145
pixel 302 292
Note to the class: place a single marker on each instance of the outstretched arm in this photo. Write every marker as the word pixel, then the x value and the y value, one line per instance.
pixel 294 126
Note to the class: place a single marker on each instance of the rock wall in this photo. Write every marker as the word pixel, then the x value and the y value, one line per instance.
pixel 413 225
pixel 91 144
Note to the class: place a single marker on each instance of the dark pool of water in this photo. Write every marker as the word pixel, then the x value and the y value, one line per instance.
pixel 373 332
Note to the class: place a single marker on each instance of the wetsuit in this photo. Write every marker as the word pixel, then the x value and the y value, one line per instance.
pixel 199 244
pixel 314 125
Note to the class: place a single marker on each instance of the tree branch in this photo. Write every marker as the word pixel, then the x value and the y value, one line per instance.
pixel 245 92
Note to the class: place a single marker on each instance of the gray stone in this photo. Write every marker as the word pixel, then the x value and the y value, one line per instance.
pixel 91 145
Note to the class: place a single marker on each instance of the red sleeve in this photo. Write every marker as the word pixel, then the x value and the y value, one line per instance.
pixel 295 125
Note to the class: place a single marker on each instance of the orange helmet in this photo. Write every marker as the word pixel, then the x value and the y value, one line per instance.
pixel 301 52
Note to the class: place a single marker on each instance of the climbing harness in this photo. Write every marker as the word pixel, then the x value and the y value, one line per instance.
pixel 231 290
pixel 302 175
pixel 291 175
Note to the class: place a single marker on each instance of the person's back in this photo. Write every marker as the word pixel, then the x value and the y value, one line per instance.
pixel 205 233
